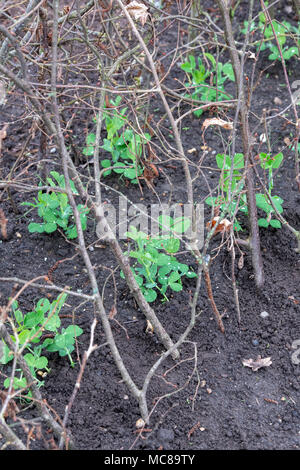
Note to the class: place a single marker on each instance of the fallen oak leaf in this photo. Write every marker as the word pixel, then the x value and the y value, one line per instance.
pixel 2 93
pixel 217 122
pixel 112 313
pixel 138 11
pixel 3 224
pixel 3 135
pixel 223 225
pixel 260 362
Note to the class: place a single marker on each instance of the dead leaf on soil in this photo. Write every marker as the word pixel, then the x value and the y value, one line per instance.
pixel 258 363
pixel 3 223
pixel 138 11
pixel 2 93
pixel 112 313
pixel 217 122
pixel 3 135
pixel 222 225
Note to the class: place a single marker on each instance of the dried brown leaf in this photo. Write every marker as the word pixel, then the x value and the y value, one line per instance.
pixel 258 363
pixel 2 93
pixel 138 11
pixel 217 122
pixel 3 135
pixel 112 313
pixel 223 225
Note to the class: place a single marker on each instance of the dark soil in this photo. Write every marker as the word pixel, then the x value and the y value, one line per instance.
pixel 215 402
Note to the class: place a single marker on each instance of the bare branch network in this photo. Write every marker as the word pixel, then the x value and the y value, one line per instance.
pixel 86 80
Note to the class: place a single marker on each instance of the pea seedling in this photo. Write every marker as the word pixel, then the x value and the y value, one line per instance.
pixel 156 268
pixel 238 196
pixel 269 163
pixel 55 210
pixel 283 31
pixel 206 89
pixel 238 200
pixel 122 142
pixel 28 330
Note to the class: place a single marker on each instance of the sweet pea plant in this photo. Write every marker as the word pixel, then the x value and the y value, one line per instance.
pixel 208 84
pixel 238 200
pixel 55 210
pixel 28 330
pixel 283 31
pixel 156 268
pixel 123 143
pixel 269 163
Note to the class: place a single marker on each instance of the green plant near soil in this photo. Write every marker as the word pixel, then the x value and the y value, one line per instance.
pixel 156 268
pixel 233 198
pixel 123 143
pixel 54 208
pixel 207 83
pixel 28 331
pixel 283 30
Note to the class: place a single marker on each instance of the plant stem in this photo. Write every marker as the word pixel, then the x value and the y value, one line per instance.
pixel 246 139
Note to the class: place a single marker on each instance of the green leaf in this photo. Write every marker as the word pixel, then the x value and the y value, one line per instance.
pixel 175 276
pixel 43 305
pixel 119 167
pixel 175 286
pixel 275 223
pixel 33 319
pixel 33 227
pixel 130 173
pixel 30 359
pixel 191 274
pixel 50 227
pixel 71 232
pixel 277 201
pixel 150 295
pixel 171 245
pixel 17 383
pixel 290 52
pixel 24 335
pixel 74 330
pixel 41 362
pixel 105 163
pixel 53 323
pixel 5 354
pixel 263 223
pixel 88 151
pixel 90 138
pixel 261 202
pixel 228 71
pixel 18 316
pixel 162 259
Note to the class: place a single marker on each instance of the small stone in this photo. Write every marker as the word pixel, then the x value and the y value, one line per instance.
pixel 140 423
pixel 264 314
pixel 255 342
pixel 277 100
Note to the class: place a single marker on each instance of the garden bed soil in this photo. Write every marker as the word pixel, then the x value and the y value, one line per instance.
pixel 214 402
